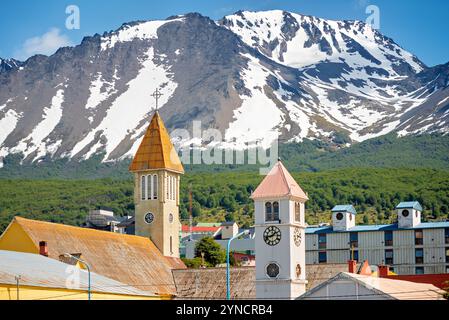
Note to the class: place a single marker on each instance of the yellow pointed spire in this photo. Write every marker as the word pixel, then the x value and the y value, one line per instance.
pixel 156 150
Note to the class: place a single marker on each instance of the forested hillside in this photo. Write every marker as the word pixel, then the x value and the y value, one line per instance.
pixel 219 196
pixel 424 151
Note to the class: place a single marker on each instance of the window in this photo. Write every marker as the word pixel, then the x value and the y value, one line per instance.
pixel 268 211
pixel 271 211
pixel 418 237
pixel 175 188
pixel 167 179
pixel 149 186
pixel 447 255
pixel 170 185
pixel 155 186
pixel 143 187
pixel 405 213
pixel 419 270
pixel 172 188
pixel 447 269
pixel 389 256
pixel 353 239
pixel 171 244
pixel 446 235
pixel 322 241
pixel 322 257
pixel 419 256
pixel 175 183
pixel 276 211
pixel 298 212
pixel 339 216
pixel 388 238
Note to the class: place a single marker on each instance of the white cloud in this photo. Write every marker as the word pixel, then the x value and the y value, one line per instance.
pixel 46 44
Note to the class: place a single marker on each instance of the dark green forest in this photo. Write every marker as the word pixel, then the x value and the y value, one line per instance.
pixel 225 195
pixel 389 151
pixel 374 176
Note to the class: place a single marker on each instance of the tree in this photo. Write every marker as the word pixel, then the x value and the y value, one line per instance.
pixel 230 217
pixel 194 263
pixel 365 219
pixel 213 253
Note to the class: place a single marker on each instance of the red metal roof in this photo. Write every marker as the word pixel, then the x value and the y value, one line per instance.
pixel 200 229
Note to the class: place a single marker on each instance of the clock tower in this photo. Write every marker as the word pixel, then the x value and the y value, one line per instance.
pixel 157 170
pixel 280 250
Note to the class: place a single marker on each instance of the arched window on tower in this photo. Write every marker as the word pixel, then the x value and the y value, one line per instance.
pixel 155 186
pixel 149 186
pixel 268 211
pixel 276 211
pixel 143 187
pixel 297 212
pixel 167 179
pixel 171 244
pixel 176 189
pixel 170 186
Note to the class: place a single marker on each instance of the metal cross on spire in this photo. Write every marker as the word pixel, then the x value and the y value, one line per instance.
pixel 156 95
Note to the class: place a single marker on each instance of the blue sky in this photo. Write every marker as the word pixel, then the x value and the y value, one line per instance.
pixel 29 27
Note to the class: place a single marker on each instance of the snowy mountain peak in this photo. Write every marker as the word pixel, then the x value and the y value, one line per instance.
pixel 300 41
pixel 9 64
pixel 255 76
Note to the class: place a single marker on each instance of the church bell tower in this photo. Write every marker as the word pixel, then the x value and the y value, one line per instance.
pixel 280 250
pixel 157 170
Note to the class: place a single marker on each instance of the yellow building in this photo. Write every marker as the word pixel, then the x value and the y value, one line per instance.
pixel 157 170
pixel 131 260
pixel 26 276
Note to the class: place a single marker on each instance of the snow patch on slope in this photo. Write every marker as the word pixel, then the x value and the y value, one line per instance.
pixel 257 119
pixel 146 30
pixel 36 139
pixel 100 90
pixel 8 124
pixel 131 107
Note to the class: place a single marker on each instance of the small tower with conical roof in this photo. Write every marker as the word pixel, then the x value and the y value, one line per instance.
pixel 280 224
pixel 157 170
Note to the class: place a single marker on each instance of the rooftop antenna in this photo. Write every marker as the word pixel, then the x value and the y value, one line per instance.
pixel 156 95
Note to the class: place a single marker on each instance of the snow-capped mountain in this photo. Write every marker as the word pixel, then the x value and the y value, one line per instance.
pixel 255 76
pixel 9 64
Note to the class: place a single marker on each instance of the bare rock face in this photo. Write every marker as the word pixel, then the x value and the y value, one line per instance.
pixel 255 76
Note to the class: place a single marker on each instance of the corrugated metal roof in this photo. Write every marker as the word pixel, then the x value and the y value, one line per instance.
pixel 130 259
pixel 156 150
pixel 394 289
pixel 344 208
pixel 409 205
pixel 382 227
pixel 39 271
pixel 211 283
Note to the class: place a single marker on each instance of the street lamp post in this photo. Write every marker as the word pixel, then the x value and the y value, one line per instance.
pixel 228 276
pixel 68 255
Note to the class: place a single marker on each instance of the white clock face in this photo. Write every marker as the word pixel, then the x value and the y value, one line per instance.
pixel 297 237
pixel 149 218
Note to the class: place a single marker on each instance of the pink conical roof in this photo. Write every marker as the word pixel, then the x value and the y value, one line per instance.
pixel 278 183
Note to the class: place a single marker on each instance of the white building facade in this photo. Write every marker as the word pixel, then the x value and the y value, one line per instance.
pixel 279 236
pixel 408 247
